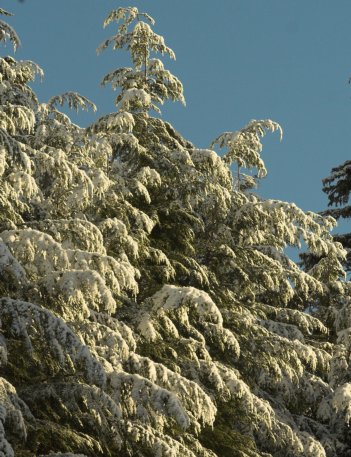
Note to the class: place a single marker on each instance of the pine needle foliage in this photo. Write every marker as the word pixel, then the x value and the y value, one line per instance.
pixel 147 305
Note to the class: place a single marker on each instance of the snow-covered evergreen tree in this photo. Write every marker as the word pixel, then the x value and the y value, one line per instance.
pixel 147 306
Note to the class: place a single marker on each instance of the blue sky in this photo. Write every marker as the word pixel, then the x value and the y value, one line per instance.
pixel 287 60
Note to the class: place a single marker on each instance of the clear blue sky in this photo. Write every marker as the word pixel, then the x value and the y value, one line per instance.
pixel 288 60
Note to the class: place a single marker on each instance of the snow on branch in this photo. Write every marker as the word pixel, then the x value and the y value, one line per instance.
pixel 8 33
pixel 244 146
pixel 35 325
pixel 127 15
pixel 74 101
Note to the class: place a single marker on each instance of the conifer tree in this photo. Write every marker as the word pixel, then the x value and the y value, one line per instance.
pixel 338 186
pixel 141 317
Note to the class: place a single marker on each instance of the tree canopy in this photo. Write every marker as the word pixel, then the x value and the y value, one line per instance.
pixel 148 307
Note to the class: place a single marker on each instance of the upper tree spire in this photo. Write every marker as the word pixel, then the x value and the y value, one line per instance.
pixel 147 83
